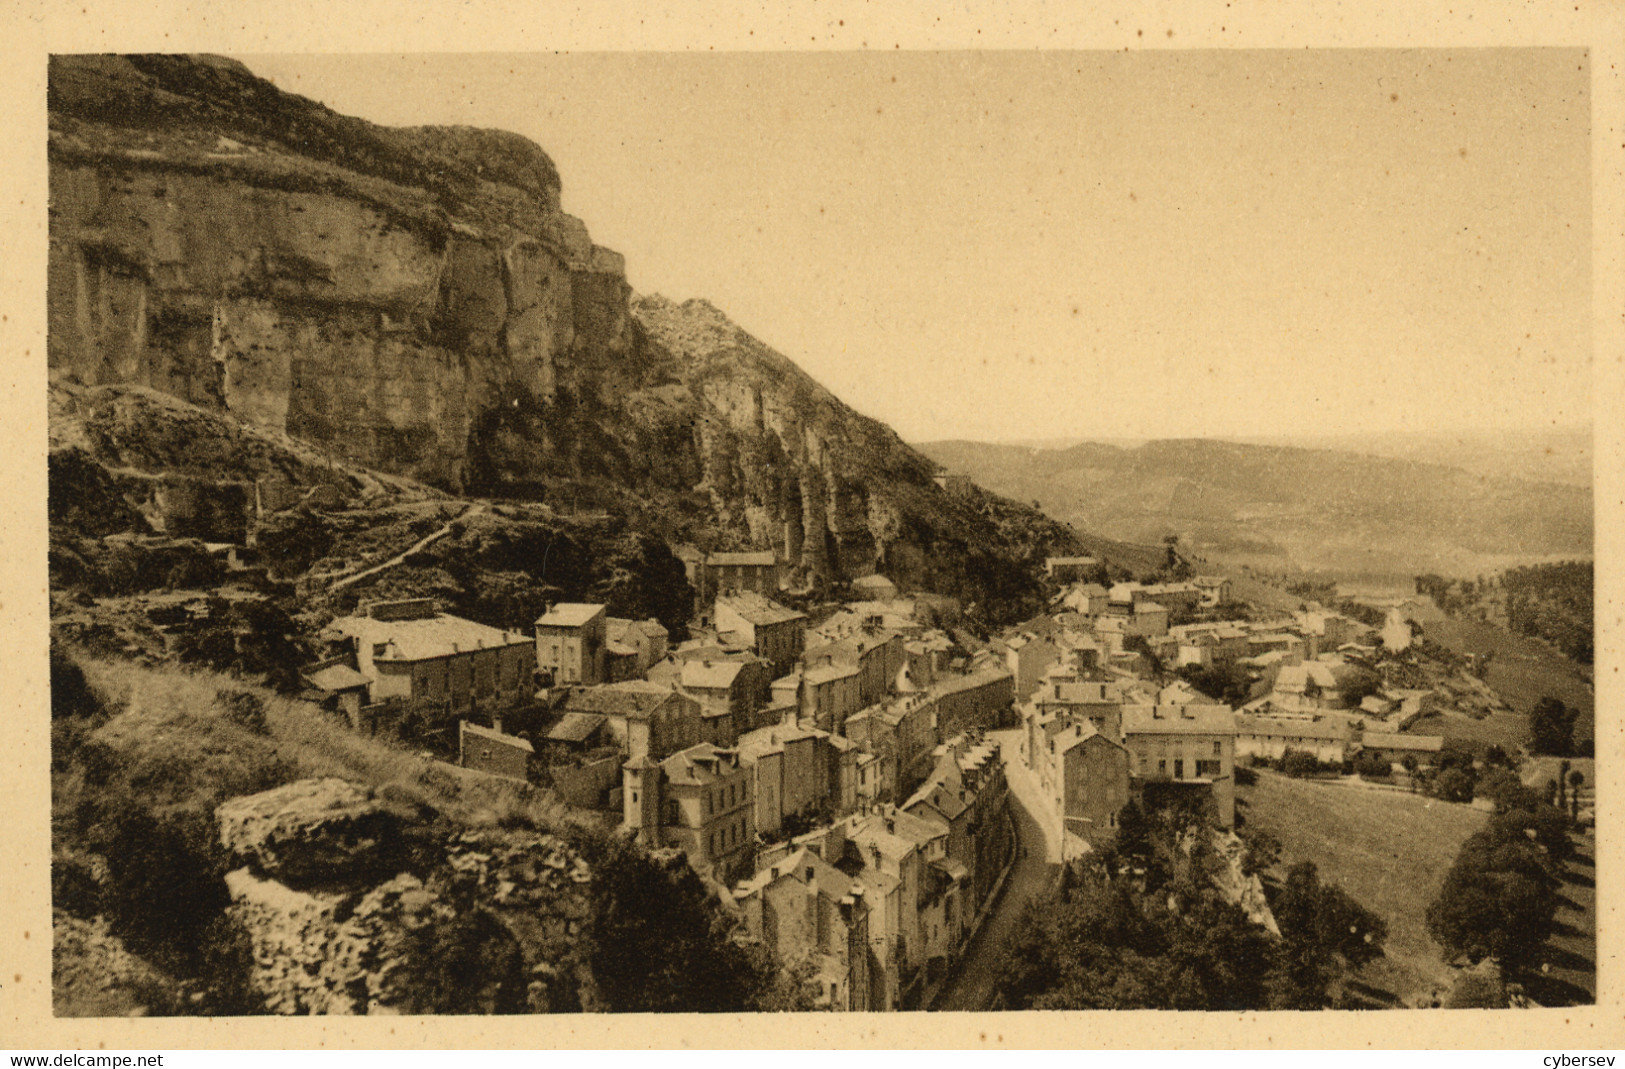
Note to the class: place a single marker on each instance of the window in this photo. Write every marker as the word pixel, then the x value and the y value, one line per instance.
pixel 1218 748
pixel 1179 768
pixel 1162 765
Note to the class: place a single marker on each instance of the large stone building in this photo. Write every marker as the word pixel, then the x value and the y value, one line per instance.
pixel 1184 747
pixel 442 666
pixel 808 911
pixel 727 573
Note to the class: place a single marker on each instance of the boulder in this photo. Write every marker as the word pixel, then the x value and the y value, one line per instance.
pixel 311 831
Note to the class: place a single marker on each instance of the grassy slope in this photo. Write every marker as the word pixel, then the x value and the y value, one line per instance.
pixel 169 717
pixel 1523 670
pixel 1388 850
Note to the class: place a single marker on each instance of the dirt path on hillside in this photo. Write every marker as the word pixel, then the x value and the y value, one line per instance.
pixel 400 558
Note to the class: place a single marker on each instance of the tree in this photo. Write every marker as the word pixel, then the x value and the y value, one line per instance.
pixel 1551 728
pixel 1453 785
pixel 659 942
pixel 1503 787
pixel 1322 931
pixel 1498 899
pixel 1133 833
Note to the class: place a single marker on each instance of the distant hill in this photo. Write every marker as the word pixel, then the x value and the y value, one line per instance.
pixel 1556 455
pixel 1282 507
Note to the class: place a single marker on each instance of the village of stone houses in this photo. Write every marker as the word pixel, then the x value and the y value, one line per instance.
pixel 439 627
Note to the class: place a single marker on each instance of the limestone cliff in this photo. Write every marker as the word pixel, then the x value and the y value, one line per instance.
pixel 371 291
pixel 416 302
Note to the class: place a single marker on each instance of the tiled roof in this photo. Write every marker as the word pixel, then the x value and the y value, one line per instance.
pixel 635 699
pixel 576 727
pixel 1178 720
pixel 496 736
pixel 699 765
pixel 569 614
pixel 759 609
pixel 710 675
pixel 1383 740
pixel 980 678
pixel 336 677
pixel 420 640
pixel 1285 727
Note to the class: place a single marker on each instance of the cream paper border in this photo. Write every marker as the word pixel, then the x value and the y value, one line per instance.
pixel 35 28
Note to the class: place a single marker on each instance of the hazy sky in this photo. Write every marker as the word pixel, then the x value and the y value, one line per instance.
pixel 1024 245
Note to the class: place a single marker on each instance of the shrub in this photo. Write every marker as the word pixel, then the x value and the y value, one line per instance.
pixel 243 708
pixel 1373 766
pixel 1299 764
pixel 1503 787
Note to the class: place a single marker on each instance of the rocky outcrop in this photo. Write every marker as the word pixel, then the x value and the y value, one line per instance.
pixel 489 922
pixel 308 831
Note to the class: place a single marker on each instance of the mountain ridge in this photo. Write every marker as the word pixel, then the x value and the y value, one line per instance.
pixel 1290 506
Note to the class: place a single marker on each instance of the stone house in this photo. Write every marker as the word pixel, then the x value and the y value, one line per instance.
pixel 570 644
pixel 981 698
pixel 774 633
pixel 807 910
pixel 725 573
pixel 1092 779
pixel 790 767
pixel 1270 737
pixel 1215 589
pixel 697 800
pixel 639 717
pixel 1184 747
pixel 1070 569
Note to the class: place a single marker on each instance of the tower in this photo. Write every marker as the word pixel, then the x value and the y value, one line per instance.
pixel 640 799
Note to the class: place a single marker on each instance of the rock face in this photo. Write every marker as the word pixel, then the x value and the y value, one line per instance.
pixel 491 921
pixel 416 302
pixel 310 830
pixel 371 291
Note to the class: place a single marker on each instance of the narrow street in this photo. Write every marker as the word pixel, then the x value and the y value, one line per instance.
pixel 1033 873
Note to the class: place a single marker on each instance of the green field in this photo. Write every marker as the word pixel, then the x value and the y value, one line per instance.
pixel 1387 849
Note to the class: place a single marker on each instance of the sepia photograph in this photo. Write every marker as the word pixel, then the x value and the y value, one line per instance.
pixel 866 529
